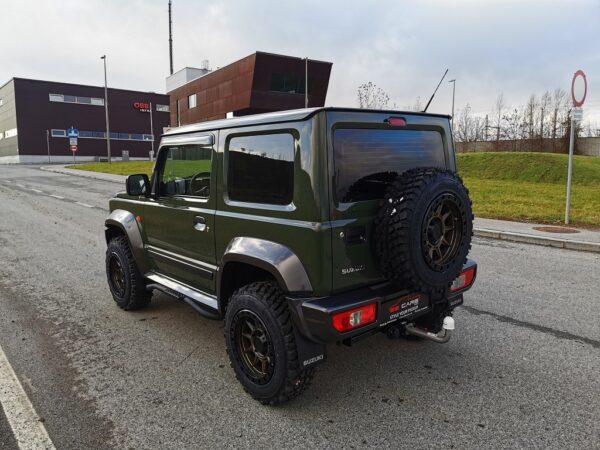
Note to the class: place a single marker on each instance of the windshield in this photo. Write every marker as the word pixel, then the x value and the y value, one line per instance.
pixel 366 159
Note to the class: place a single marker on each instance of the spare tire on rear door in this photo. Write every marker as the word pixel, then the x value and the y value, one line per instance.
pixel 423 230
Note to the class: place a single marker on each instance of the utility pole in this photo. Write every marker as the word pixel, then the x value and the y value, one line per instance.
pixel 103 57
pixel 170 40
pixel 306 82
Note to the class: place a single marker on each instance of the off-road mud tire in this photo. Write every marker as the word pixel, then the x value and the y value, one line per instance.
pixel 400 230
pixel 288 380
pixel 132 294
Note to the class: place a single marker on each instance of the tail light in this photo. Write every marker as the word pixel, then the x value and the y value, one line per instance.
pixel 354 318
pixel 464 280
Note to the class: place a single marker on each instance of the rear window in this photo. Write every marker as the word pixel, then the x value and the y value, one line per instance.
pixel 366 159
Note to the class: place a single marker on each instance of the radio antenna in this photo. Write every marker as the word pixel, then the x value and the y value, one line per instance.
pixel 433 95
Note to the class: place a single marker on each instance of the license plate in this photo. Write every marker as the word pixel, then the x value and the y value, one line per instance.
pixel 403 307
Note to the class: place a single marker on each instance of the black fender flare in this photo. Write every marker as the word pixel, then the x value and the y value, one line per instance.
pixel 127 223
pixel 277 259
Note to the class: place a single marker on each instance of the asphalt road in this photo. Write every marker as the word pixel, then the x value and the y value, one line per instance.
pixel 522 371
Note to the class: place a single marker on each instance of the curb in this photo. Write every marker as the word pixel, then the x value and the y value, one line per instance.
pixel 537 240
pixel 85 174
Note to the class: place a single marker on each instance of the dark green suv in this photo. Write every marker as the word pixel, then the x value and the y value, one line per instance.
pixel 299 228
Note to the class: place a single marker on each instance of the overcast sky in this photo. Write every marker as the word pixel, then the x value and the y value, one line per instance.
pixel 490 46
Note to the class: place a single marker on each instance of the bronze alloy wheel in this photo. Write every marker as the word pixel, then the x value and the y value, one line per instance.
pixel 442 231
pixel 254 347
pixel 116 275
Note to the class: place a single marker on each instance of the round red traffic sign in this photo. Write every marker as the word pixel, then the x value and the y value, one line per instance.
pixel 578 102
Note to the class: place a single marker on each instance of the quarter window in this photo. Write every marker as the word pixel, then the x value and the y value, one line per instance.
pixel 186 171
pixel 261 168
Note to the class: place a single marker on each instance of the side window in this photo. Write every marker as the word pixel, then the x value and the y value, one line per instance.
pixel 261 168
pixel 186 171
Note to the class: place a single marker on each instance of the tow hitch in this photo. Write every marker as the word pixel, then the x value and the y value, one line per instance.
pixel 441 338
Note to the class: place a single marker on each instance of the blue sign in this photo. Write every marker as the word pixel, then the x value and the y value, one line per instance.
pixel 72 133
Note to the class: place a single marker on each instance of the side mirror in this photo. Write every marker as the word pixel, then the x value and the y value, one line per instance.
pixel 138 184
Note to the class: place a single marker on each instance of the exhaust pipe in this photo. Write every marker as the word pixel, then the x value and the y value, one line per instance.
pixel 441 338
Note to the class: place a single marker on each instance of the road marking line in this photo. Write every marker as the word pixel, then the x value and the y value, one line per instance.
pixel 7 181
pixel 36 190
pixel 29 432
pixel 57 196
pixel 84 204
pixel 21 186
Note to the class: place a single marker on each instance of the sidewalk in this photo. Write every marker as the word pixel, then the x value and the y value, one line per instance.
pixel 584 240
pixel 524 232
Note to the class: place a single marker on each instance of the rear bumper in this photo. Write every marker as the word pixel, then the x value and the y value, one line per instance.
pixel 312 316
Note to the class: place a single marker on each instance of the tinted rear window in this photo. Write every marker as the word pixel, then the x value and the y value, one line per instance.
pixel 365 159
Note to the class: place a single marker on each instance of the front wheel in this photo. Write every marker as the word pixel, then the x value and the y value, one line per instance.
pixel 261 345
pixel 126 283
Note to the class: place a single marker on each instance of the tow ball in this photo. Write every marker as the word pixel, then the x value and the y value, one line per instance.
pixel 441 338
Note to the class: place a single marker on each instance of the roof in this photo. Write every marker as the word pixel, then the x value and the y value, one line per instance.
pixel 291 115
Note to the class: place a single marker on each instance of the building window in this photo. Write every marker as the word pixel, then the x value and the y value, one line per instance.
pixel 192 101
pixel 74 99
pixel 261 168
pixel 10 133
pixel 102 135
pixel 291 84
pixel 59 133
pixel 162 108
pixel 1 102
pixel 178 113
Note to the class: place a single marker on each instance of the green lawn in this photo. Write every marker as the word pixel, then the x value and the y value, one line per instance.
pixel 117 168
pixel 532 187
pixel 511 186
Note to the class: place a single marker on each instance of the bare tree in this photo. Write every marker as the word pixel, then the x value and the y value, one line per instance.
pixel 545 103
pixel 559 99
pixel 372 97
pixel 497 115
pixel 514 124
pixel 530 108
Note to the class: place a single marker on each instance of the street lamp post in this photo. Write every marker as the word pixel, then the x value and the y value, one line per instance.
pixel 151 131
pixel 453 81
pixel 306 82
pixel 103 57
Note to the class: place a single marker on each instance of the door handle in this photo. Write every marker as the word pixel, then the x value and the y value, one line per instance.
pixel 199 223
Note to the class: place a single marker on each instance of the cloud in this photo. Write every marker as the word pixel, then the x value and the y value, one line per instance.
pixel 495 46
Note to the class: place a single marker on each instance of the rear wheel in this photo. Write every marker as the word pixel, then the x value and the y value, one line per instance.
pixel 261 344
pixel 126 283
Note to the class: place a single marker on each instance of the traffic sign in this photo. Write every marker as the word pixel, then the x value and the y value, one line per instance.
pixel 577 114
pixel 72 133
pixel 578 99
pixel 73 148
pixel 72 141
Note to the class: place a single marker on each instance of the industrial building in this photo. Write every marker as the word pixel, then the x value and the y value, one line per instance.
pixel 261 82
pixel 34 117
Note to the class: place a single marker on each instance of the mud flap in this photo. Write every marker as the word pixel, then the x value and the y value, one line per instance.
pixel 310 354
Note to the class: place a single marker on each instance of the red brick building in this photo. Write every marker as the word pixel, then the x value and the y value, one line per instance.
pixel 261 82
